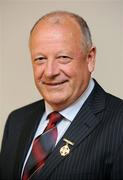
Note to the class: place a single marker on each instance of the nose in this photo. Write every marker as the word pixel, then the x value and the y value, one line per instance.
pixel 51 69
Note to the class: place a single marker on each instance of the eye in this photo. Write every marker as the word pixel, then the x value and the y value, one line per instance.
pixel 39 60
pixel 64 59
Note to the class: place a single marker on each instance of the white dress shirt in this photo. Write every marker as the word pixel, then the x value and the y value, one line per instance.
pixel 69 114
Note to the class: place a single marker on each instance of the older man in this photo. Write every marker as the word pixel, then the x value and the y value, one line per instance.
pixel 76 131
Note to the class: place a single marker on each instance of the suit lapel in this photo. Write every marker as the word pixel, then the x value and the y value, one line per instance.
pixel 26 137
pixel 84 123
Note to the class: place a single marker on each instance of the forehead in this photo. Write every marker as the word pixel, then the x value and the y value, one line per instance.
pixel 56 25
pixel 49 37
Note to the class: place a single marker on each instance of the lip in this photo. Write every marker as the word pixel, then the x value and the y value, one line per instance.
pixel 54 83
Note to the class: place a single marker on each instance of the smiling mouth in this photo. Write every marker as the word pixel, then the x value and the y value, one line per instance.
pixel 55 83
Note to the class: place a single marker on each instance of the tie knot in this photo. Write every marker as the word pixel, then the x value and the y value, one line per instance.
pixel 53 117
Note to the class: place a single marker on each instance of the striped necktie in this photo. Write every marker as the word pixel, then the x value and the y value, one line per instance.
pixel 42 147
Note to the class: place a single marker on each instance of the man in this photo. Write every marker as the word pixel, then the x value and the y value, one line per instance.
pixel 89 141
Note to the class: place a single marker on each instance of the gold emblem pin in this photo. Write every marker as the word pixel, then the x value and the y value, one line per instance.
pixel 65 150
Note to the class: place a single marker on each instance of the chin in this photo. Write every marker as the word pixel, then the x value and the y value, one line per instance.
pixel 56 98
pixel 58 103
pixel 54 101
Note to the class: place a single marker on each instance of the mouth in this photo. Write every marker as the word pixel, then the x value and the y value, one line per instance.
pixel 54 83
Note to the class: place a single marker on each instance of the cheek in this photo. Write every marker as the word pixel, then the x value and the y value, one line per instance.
pixel 80 73
pixel 37 72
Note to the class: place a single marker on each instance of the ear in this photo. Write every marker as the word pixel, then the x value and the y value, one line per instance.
pixel 91 59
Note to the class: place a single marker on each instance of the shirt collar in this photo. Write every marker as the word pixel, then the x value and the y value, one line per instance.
pixel 71 111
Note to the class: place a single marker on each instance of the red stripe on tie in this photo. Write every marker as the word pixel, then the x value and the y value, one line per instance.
pixel 37 151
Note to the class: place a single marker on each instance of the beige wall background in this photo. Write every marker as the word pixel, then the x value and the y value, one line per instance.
pixel 105 19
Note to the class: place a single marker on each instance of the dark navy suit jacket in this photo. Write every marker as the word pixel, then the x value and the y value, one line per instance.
pixel 97 133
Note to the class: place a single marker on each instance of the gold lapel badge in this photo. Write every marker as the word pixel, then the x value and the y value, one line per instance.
pixel 65 150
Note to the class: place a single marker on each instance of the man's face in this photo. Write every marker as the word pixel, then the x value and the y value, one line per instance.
pixel 61 68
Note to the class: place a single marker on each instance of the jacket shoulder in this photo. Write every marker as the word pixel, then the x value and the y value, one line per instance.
pixel 25 111
pixel 28 107
pixel 114 102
